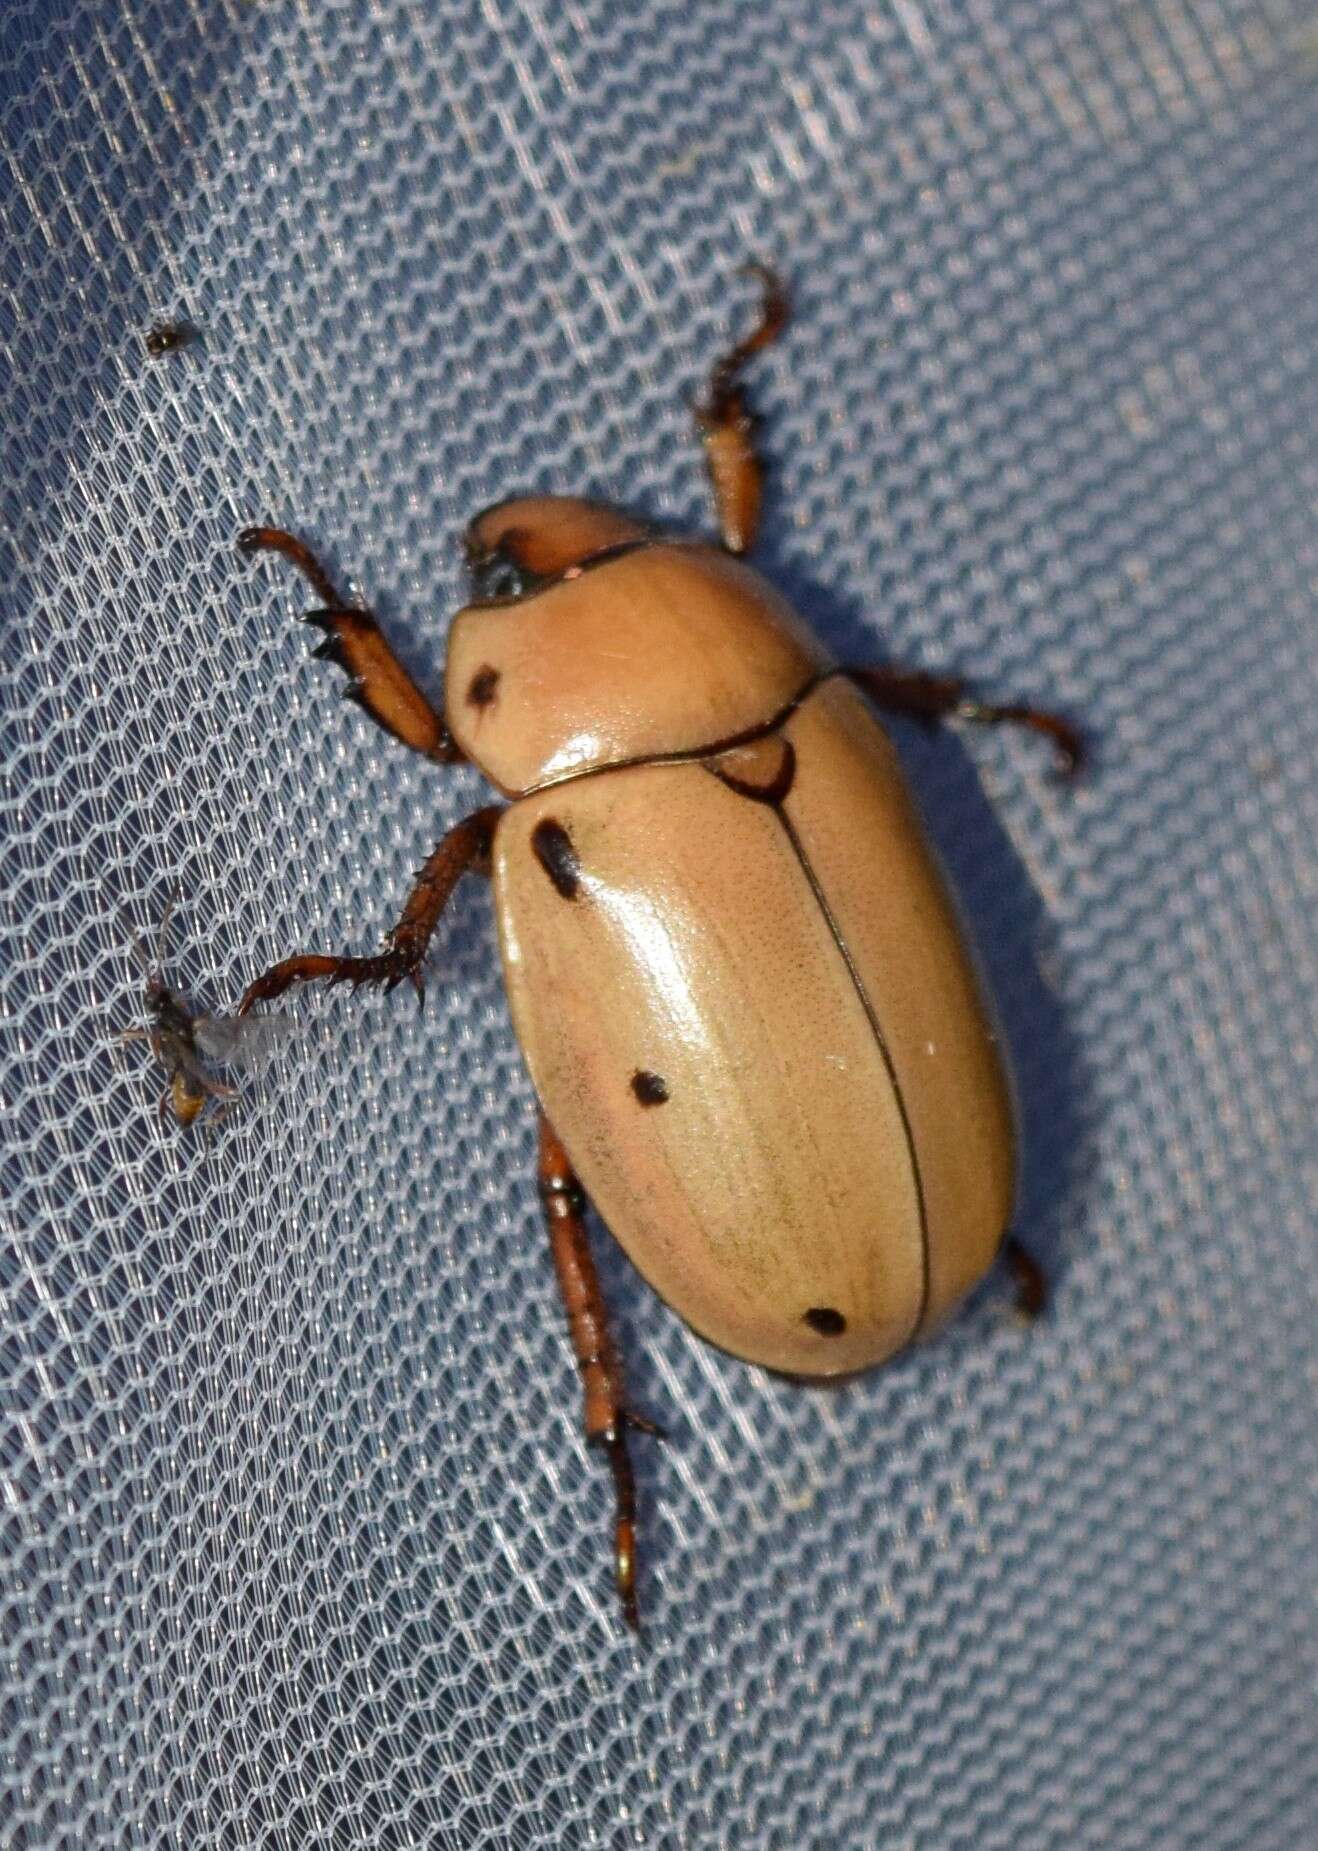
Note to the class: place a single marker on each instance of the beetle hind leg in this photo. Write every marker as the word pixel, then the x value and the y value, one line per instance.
pixel 606 1418
pixel 466 848
pixel 354 642
pixel 727 424
pixel 930 698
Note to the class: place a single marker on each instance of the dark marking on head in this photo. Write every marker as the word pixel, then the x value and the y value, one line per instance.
pixel 483 684
pixel 501 571
pixel 825 1322
pixel 777 787
pixel 556 855
pixel 498 574
pixel 649 1088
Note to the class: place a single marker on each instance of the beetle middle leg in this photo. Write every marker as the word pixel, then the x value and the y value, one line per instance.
pixel 354 642
pixel 606 1418
pixel 727 423
pixel 466 848
pixel 929 698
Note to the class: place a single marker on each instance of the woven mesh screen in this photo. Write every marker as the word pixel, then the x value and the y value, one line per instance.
pixel 299 1542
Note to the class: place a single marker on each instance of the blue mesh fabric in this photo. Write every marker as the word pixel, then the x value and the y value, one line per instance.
pixel 299 1543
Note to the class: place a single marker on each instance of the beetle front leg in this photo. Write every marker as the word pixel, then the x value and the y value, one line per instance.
pixel 606 1419
pixel 929 698
pixel 466 848
pixel 727 424
pixel 353 641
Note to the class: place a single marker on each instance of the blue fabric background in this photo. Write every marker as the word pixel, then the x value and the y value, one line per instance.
pixel 299 1544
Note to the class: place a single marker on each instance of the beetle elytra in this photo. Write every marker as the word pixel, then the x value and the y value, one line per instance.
pixel 757 1040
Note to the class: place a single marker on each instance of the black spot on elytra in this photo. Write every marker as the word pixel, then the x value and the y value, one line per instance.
pixel 554 851
pixel 483 684
pixel 824 1321
pixel 649 1088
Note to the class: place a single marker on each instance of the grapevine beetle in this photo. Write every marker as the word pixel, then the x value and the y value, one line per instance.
pixel 738 983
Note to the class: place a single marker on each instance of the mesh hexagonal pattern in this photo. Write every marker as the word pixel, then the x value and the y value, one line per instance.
pixel 299 1542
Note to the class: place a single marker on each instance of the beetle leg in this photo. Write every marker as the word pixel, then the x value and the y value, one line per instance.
pixel 929 698
pixel 606 1419
pixel 353 641
pixel 727 424
pixel 1031 1283
pixel 466 848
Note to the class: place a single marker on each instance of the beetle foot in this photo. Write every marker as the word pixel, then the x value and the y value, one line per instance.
pixel 390 968
pixel 275 540
pixel 614 1441
pixel 1067 740
pixel 466 847
pixel 723 402
pixel 930 698
pixel 727 424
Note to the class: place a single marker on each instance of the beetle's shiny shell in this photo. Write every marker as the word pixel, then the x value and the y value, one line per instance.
pixel 732 964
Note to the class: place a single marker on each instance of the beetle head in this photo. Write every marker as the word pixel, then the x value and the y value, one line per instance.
pixel 520 545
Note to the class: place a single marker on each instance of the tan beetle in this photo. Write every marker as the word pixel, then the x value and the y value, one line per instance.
pixel 737 980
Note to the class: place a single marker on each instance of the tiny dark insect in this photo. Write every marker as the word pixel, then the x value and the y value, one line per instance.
pixel 182 1042
pixel 169 337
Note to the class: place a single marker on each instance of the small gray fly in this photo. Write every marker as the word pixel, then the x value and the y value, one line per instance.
pixel 183 1042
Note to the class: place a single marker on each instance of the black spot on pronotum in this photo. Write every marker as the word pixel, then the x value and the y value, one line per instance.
pixel 483 684
pixel 824 1321
pixel 649 1088
pixel 556 855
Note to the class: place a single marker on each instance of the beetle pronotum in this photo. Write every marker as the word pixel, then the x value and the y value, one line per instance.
pixel 756 1037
